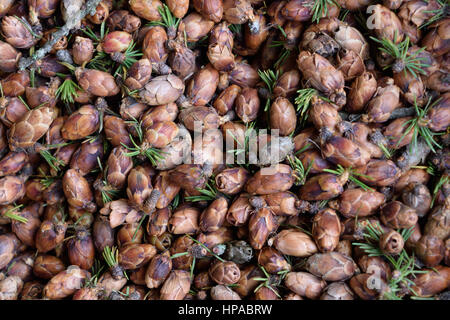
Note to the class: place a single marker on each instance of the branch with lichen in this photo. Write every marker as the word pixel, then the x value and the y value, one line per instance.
pixel 89 8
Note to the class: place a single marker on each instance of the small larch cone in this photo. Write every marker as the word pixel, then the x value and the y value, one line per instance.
pixel 304 284
pixel 225 272
pixel 146 9
pixel 358 202
pixel 119 165
pixel 162 90
pixel 176 286
pixel 139 185
pixel 272 260
pixel 326 230
pixel 17 33
pixel 213 217
pixel 33 126
pixel 154 47
pixel 323 76
pixel 81 250
pixel 294 243
pixel 82 50
pixel 260 225
pixel 139 74
pixel 391 242
pixel 78 191
pixel 202 86
pixel 331 266
pixel 209 9
pixel 158 269
pixel 81 123
pixel 9 57
pixel 97 83
pixel 134 255
pixel 49 235
pixel 271 180
pixel 65 283
pixel 220 48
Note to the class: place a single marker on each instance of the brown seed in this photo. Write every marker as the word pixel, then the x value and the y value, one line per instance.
pixel 337 291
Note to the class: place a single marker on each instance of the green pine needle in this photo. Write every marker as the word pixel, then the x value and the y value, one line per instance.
pixel 10 214
pixel 300 172
pixel 443 180
pixel 437 14
pixel 320 9
pixel 412 62
pixel 269 77
pixel 415 125
pixel 303 101
pixel 352 176
pixel 403 263
pixel 167 18
pixel 130 56
pixel 68 91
